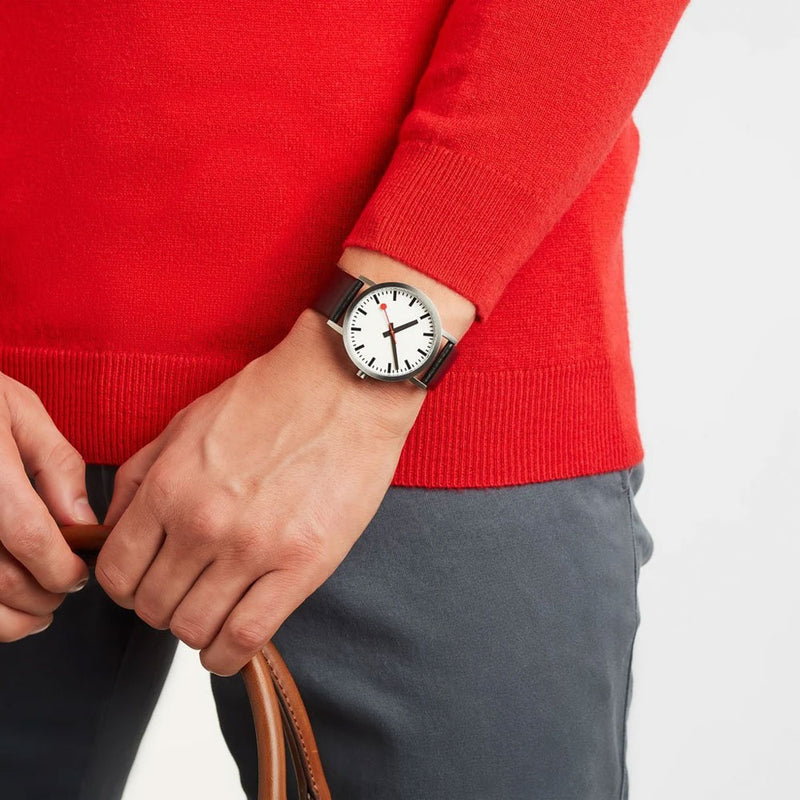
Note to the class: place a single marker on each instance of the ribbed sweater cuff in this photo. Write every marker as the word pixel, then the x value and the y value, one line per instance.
pixel 535 425
pixel 453 218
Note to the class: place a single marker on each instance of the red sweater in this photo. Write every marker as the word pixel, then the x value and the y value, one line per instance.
pixel 178 179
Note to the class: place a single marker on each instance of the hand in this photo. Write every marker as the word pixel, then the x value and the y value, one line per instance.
pixel 253 494
pixel 37 568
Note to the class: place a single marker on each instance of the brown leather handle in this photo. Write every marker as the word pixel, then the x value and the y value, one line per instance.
pixel 278 709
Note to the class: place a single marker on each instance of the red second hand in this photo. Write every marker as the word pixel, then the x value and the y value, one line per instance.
pixel 386 314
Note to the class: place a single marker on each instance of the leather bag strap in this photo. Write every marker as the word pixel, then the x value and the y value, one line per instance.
pixel 279 714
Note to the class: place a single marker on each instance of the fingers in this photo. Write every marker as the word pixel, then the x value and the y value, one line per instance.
pixel 254 621
pixel 19 590
pixel 27 530
pixel 171 575
pixel 16 625
pixel 132 545
pixel 203 611
pixel 55 466
pixel 137 534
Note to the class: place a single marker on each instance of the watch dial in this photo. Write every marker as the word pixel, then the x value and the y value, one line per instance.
pixel 390 332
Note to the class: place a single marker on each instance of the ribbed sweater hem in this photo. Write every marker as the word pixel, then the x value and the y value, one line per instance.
pixel 526 425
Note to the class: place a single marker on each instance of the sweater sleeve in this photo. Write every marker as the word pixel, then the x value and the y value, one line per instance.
pixel 517 108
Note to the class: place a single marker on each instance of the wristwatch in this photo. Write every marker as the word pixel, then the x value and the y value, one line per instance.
pixel 391 331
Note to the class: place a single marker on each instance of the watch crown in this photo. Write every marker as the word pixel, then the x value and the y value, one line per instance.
pixel 361 374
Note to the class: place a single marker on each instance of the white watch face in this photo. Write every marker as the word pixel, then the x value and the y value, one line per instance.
pixel 391 331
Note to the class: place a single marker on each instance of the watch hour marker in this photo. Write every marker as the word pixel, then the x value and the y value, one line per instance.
pixel 427 333
pixel 371 361
pixel 389 369
pixel 408 366
pixel 413 300
pixel 423 352
pixel 394 294
pixel 361 311
pixel 375 298
pixel 353 328
pixel 358 347
pixel 424 315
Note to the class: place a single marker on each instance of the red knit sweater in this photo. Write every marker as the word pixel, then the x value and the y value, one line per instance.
pixel 178 179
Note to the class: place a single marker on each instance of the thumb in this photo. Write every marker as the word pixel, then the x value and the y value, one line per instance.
pixel 55 466
pixel 128 479
pixel 130 475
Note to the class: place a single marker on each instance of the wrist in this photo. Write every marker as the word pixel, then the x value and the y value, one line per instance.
pixel 319 348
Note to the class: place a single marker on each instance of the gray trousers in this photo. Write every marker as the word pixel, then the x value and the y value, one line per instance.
pixel 475 644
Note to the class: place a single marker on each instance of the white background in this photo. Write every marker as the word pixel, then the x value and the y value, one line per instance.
pixel 712 270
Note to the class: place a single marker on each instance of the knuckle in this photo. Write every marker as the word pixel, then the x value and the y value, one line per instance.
pixel 30 543
pixel 247 634
pixel 161 485
pixel 112 580
pixel 20 391
pixel 179 417
pixel 27 539
pixel 20 401
pixel 307 543
pixel 218 666
pixel 123 475
pixel 148 612
pixel 191 632
pixel 11 581
pixel 65 458
pixel 202 522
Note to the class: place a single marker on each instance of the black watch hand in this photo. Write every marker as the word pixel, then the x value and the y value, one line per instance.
pixel 394 349
pixel 403 326
pixel 391 333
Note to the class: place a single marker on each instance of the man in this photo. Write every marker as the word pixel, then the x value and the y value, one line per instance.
pixel 445 550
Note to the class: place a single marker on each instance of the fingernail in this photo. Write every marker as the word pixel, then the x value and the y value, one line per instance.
pixel 43 628
pixel 79 585
pixel 83 511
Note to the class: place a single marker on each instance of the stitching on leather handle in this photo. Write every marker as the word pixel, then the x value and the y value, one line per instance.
pixel 297 757
pixel 296 724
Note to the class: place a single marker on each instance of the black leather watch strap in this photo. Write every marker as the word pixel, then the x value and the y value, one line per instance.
pixel 337 295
